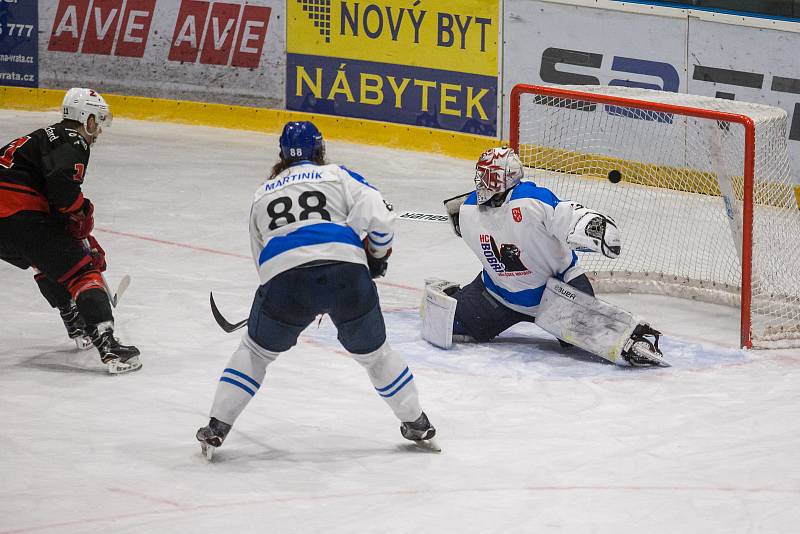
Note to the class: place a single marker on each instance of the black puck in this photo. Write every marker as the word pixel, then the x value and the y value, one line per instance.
pixel 614 176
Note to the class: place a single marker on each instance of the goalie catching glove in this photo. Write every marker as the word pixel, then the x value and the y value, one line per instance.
pixel 594 232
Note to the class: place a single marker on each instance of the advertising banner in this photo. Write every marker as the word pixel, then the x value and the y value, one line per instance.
pixel 19 34
pixel 554 43
pixel 227 52
pixel 750 64
pixel 430 64
pixel 550 43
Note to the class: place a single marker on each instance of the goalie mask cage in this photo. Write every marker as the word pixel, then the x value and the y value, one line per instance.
pixel 706 203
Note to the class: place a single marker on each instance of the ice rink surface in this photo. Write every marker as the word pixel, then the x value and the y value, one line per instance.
pixel 534 438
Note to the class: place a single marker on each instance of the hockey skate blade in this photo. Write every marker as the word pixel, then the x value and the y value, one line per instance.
pixel 428 445
pixel 648 358
pixel 662 363
pixel 207 450
pixel 83 343
pixel 116 367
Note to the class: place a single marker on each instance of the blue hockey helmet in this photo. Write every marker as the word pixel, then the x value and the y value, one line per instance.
pixel 301 141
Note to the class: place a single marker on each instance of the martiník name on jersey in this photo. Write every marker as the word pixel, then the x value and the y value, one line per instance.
pixel 307 176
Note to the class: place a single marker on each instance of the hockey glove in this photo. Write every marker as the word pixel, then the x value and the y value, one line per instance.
pixel 378 266
pixel 453 207
pixel 97 254
pixel 80 223
pixel 595 232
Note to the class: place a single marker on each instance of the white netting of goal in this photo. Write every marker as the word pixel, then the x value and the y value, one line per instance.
pixel 680 201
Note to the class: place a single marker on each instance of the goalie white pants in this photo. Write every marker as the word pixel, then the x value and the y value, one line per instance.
pixel 482 317
pixel 245 371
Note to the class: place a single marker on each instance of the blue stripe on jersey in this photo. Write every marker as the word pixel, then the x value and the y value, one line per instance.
pixel 527 298
pixel 379 234
pixel 560 275
pixel 241 375
pixel 313 234
pixel 472 199
pixel 384 392
pixel 379 243
pixel 237 384
pixel 357 177
pixel 531 190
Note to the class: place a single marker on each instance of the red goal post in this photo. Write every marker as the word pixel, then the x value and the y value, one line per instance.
pixel 695 162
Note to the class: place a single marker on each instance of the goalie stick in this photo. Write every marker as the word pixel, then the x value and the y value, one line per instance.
pixel 221 321
pixel 423 217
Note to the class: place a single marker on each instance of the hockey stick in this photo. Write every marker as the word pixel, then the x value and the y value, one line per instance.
pixel 113 298
pixel 452 205
pixel 221 321
pixel 424 217
pixel 123 285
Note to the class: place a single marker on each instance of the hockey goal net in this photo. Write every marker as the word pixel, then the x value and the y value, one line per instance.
pixel 700 188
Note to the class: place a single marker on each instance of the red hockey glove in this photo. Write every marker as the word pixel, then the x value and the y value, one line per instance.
pixel 80 223
pixel 97 253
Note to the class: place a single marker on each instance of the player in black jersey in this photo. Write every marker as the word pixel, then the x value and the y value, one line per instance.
pixel 46 222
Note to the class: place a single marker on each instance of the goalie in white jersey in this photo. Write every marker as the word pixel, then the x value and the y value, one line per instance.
pixel 525 238
pixel 319 233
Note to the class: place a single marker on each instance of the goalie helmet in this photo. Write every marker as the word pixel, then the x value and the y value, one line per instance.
pixel 81 103
pixel 498 170
pixel 301 141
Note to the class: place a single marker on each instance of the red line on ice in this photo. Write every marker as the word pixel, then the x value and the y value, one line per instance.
pixel 220 252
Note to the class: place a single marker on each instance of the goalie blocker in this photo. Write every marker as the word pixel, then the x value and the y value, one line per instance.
pixel 569 314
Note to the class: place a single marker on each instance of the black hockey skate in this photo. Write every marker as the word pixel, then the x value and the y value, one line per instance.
pixel 212 436
pixel 421 432
pixel 119 358
pixel 75 325
pixel 640 351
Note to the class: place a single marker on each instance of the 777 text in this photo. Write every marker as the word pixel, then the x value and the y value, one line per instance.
pixel 17 30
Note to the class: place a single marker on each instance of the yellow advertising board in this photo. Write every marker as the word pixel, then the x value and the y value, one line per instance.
pixel 423 62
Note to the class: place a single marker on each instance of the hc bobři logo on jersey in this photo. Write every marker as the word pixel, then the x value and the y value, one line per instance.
pixel 505 261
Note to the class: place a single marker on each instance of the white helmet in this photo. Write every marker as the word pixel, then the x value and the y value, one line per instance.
pixel 79 103
pixel 498 170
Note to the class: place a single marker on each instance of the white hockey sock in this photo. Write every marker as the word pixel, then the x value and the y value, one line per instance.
pixel 393 381
pixel 240 380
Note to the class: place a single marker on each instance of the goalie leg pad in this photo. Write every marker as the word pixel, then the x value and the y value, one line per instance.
pixel 438 311
pixel 586 322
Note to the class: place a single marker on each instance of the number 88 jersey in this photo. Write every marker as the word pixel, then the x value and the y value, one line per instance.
pixel 313 212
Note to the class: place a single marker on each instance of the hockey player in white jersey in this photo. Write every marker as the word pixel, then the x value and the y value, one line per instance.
pixel 319 234
pixel 526 238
